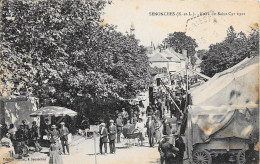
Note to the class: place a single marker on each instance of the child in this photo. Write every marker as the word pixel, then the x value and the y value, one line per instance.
pixel 55 151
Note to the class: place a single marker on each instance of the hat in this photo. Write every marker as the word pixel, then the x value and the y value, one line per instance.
pixel 62 123
pixel 53 126
pixel 102 124
pixel 111 121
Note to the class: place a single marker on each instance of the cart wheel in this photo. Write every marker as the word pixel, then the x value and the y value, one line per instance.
pixel 201 157
pixel 241 157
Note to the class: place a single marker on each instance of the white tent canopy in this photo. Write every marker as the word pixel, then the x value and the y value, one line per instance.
pixel 53 111
pixel 237 85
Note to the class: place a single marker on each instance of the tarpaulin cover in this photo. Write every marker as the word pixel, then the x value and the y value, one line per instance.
pixel 53 111
pixel 227 105
pixel 208 122
pixel 237 85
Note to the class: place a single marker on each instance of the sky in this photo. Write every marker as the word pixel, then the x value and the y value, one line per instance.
pixel 206 29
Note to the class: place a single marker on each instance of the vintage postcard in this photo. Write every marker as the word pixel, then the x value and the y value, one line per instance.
pixel 129 82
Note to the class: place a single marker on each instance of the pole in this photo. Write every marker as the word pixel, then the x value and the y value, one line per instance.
pixel 95 147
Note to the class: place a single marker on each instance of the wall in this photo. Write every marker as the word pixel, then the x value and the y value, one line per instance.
pixel 17 109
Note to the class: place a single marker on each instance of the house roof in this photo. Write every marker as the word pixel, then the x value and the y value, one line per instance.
pixel 165 55
pixel 158 57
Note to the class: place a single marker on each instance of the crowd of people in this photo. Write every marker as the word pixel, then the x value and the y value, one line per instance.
pixel 24 136
pixel 150 123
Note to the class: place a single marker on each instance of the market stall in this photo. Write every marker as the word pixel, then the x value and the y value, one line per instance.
pixel 55 115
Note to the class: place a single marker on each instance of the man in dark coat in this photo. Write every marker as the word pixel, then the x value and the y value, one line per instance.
pixel 103 138
pixel 119 125
pixel 64 132
pixel 112 137
pixel 150 130
pixel 167 151
pixel 179 143
pixel 35 136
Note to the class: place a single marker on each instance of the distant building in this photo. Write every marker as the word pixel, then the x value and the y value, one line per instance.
pixel 168 59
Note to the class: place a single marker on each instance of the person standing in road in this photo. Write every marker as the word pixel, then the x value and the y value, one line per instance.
pixel 35 136
pixel 112 137
pixel 150 130
pixel 140 127
pixel 54 132
pixel 55 151
pixel 103 138
pixel 125 115
pixel 119 124
pixel 64 132
pixel 158 135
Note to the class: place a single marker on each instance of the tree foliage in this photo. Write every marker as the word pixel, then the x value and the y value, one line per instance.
pixel 234 48
pixel 60 51
pixel 180 41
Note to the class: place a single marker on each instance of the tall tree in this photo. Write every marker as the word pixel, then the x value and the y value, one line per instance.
pixel 58 51
pixel 233 49
pixel 180 41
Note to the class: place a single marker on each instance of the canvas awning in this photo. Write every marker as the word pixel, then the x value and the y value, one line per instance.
pixel 53 111
pixel 237 85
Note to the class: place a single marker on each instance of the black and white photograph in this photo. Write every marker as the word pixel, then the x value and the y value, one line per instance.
pixel 129 81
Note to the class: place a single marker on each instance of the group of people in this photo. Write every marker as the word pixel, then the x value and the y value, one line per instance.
pixel 24 135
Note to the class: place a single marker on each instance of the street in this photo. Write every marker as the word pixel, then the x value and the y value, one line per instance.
pixel 83 152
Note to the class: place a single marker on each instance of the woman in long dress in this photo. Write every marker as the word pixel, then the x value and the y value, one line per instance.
pixel 55 151
pixel 158 134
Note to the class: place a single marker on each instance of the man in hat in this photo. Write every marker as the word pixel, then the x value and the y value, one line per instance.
pixel 103 137
pixel 54 132
pixel 125 115
pixel 179 143
pixel 167 151
pixel 112 137
pixel 119 124
pixel 64 132
pixel 150 130
pixel 35 136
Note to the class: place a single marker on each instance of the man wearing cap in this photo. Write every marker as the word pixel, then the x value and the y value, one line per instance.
pixel 119 124
pixel 112 137
pixel 64 132
pixel 103 137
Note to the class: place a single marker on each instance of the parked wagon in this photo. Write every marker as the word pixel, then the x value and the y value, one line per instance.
pixel 218 131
